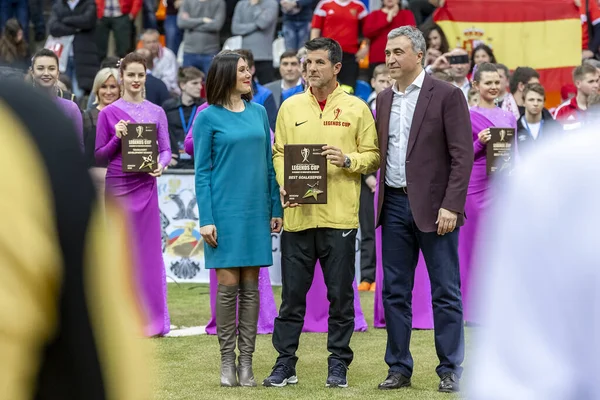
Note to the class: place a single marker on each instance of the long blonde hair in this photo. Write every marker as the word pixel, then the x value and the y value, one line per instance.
pixel 102 76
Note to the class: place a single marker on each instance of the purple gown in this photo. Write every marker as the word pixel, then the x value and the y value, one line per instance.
pixel 477 196
pixel 138 194
pixel 422 311
pixel 71 110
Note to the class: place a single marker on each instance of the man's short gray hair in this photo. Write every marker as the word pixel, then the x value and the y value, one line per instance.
pixel 414 35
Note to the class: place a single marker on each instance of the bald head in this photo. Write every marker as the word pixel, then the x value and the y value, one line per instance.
pixel 150 41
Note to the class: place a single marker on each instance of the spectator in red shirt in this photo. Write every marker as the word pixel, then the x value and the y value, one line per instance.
pixel 377 26
pixel 589 16
pixel 341 21
pixel 570 113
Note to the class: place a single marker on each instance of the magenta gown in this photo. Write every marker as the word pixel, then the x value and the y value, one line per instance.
pixel 422 310
pixel 138 194
pixel 71 110
pixel 477 197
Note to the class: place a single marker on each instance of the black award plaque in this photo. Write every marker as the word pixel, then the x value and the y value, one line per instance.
pixel 500 151
pixel 139 148
pixel 305 172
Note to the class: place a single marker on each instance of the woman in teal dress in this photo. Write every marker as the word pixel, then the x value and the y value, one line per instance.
pixel 238 203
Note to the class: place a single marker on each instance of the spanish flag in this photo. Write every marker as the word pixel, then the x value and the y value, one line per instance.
pixel 541 34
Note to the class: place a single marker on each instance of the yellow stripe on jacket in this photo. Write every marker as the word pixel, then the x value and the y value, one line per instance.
pixel 346 122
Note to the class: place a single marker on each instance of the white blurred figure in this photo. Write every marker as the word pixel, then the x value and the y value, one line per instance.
pixel 539 290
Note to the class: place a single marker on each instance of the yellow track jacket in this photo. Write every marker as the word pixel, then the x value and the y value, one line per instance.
pixel 346 123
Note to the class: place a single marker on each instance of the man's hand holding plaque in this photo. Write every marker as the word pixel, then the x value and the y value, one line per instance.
pixel 305 169
pixel 139 147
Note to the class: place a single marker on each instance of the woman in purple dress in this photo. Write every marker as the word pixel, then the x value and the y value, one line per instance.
pixel 44 75
pixel 137 192
pixel 484 116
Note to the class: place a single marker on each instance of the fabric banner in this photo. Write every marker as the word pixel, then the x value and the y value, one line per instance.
pixel 541 34
pixel 183 248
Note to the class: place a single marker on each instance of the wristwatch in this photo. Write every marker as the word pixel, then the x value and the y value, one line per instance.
pixel 347 162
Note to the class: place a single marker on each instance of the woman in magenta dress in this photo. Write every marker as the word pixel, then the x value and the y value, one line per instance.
pixel 484 116
pixel 137 192
pixel 44 75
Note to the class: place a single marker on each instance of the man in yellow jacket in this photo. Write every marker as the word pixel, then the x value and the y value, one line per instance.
pixel 324 232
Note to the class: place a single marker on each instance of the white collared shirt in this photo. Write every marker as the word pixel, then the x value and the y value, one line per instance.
pixel 465 87
pixel 401 117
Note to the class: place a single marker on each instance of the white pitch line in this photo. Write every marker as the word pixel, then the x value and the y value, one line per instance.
pixel 187 331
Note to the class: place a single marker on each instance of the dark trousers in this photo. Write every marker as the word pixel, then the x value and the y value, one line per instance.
pixel 366 218
pixel 335 249
pixel 401 241
pixel 122 28
pixel 265 73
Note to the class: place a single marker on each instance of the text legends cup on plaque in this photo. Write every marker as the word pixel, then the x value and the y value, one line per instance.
pixel 139 148
pixel 500 151
pixel 305 172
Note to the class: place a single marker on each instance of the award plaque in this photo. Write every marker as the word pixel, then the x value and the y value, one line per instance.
pixel 500 150
pixel 139 148
pixel 305 172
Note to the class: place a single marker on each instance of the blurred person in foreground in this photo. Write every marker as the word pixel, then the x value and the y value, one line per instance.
pixel 44 76
pixel 538 287
pixel 138 192
pixel 71 324
pixel 426 160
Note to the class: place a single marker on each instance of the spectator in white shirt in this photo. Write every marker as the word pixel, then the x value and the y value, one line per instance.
pixel 165 62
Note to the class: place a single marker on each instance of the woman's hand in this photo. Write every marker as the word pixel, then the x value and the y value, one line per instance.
pixel 209 234
pixel 158 171
pixel 276 225
pixel 121 128
pixel 484 136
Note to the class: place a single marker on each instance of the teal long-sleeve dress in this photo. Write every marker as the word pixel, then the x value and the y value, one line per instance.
pixel 235 184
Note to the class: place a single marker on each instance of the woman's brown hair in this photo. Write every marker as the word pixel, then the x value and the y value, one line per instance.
pixel 10 50
pixel 222 78
pixel 132 58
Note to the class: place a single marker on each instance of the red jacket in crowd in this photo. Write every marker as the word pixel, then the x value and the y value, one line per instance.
pixel 594 17
pixel 377 27
pixel 569 114
pixel 128 7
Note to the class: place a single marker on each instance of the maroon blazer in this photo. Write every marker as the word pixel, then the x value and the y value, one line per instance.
pixel 439 157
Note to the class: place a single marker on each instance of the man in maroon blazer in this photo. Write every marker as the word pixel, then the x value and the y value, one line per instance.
pixel 426 159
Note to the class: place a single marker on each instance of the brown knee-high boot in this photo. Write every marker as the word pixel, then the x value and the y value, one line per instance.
pixel 249 303
pixel 226 327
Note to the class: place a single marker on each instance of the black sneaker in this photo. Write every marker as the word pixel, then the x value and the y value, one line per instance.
pixel 337 374
pixel 449 383
pixel 280 376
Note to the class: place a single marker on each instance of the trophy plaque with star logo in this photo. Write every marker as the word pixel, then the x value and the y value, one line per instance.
pixel 500 151
pixel 139 148
pixel 305 172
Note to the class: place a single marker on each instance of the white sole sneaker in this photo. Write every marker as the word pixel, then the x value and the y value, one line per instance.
pixel 292 380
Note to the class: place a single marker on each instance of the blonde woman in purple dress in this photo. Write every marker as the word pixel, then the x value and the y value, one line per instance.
pixel 137 192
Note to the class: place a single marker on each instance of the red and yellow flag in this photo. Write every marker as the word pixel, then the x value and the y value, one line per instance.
pixel 541 34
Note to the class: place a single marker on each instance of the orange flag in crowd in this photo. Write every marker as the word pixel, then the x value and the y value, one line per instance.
pixel 542 34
